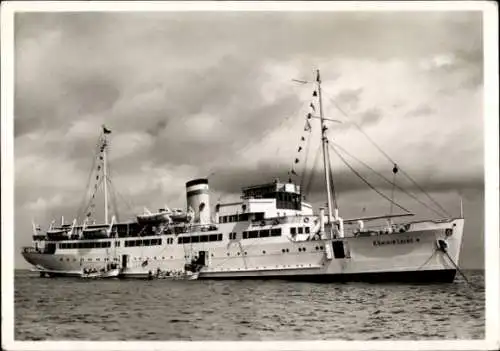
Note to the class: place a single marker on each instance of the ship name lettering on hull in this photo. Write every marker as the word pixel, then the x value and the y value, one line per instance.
pixel 393 242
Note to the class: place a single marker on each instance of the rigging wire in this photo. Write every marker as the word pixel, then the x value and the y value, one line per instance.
pixel 95 191
pixel 304 170
pixel 312 172
pixel 388 157
pixel 330 174
pixel 87 186
pixel 113 192
pixel 387 180
pixel 366 182
pixel 393 186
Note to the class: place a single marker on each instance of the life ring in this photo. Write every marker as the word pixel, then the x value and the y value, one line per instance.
pixel 306 220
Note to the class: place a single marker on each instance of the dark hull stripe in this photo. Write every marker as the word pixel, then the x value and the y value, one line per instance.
pixel 196 192
pixel 196 182
pixel 430 276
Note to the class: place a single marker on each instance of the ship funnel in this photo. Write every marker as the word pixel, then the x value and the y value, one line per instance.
pixel 197 196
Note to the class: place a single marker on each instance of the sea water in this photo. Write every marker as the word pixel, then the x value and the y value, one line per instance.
pixel 74 309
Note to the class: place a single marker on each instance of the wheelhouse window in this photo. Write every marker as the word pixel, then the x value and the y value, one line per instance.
pixel 276 232
pixel 264 233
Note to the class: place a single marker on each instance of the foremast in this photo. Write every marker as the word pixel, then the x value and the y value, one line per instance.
pixel 324 142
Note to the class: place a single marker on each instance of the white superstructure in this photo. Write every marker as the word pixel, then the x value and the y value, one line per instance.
pixel 270 233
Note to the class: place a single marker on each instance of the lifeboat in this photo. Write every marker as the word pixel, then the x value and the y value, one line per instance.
pixel 163 215
pixel 94 233
pixel 153 217
pixel 57 234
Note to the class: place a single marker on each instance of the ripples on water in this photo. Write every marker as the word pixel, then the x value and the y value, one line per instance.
pixel 72 309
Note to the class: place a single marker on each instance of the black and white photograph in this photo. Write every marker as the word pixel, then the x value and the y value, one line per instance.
pixel 235 172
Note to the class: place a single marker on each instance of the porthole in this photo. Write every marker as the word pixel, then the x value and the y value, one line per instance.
pixel 238 253
pixel 172 257
pixel 245 253
pixel 321 247
pixel 61 259
pixel 264 252
pixel 283 250
pixel 287 250
pixel 228 253
pixel 304 249
pixel 154 258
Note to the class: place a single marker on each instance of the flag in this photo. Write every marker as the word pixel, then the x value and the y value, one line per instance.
pixel 312 106
pixel 395 169
pixel 105 130
pixel 307 127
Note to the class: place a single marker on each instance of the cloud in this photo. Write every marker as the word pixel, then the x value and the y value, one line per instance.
pixel 196 94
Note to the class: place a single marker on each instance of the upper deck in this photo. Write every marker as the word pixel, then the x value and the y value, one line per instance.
pixel 287 195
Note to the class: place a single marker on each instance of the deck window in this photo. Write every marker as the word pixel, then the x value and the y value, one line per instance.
pixel 253 234
pixel 276 232
pixel 259 216
pixel 301 230
pixel 264 233
pixel 213 237
pixel 293 231
pixel 308 230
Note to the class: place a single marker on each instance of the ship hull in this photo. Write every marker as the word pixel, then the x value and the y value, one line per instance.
pixel 427 276
pixel 413 256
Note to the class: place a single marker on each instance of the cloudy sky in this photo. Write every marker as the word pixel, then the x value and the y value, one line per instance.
pixel 211 94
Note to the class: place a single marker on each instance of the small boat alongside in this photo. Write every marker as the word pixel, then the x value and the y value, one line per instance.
pixel 271 232
pixel 102 274
pixel 177 276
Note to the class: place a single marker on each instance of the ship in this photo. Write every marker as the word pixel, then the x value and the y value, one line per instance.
pixel 270 233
